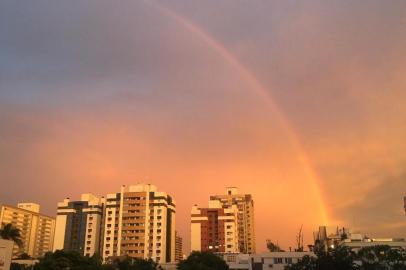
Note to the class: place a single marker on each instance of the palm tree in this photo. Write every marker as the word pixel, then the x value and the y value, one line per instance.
pixel 9 232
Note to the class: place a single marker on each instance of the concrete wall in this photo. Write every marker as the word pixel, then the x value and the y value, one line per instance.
pixel 6 251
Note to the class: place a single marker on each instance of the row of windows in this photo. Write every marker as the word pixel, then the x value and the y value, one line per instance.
pixel 282 260
pixel 133 231
pixel 134 198
pixel 134 224
pixel 133 245
pixel 134 218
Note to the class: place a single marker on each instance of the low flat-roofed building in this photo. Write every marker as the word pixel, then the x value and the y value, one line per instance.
pixel 276 260
pixel 357 244
pixel 236 261
pixel 263 261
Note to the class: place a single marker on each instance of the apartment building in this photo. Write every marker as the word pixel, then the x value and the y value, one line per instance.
pixel 140 222
pixel 245 206
pixel 37 230
pixel 79 223
pixel 178 247
pixel 214 228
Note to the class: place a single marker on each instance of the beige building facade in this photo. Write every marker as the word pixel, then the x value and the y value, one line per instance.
pixel 246 224
pixel 139 222
pixel 37 230
pixel 178 247
pixel 78 224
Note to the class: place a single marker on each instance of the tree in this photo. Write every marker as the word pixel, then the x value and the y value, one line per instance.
pixel 272 247
pixel 68 260
pixel 133 264
pixel 340 258
pixel 381 257
pixel 299 240
pixel 203 261
pixel 9 232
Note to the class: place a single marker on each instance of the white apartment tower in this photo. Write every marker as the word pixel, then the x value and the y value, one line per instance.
pixel 140 222
pixel 36 230
pixel 245 206
pixel 78 225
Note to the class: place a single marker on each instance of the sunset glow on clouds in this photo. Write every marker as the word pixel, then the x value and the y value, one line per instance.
pixel 300 104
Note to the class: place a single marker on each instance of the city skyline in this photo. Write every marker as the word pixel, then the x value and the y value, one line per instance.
pixel 299 104
pixel 88 202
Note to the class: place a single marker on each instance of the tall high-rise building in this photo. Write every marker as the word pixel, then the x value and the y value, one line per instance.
pixel 37 230
pixel 214 228
pixel 178 247
pixel 245 206
pixel 140 222
pixel 78 224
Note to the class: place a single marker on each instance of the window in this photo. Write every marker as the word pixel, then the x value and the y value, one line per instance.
pixel 277 260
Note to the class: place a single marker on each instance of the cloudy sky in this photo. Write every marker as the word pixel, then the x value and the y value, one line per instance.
pixel 300 103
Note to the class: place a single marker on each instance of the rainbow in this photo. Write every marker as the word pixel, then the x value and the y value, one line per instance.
pixel 262 92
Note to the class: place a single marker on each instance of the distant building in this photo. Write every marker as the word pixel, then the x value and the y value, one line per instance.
pixel 140 222
pixel 37 230
pixel 214 228
pixel 236 261
pixel 358 241
pixel 245 217
pixel 263 261
pixel 276 260
pixel 78 225
pixel 178 247
pixel 331 237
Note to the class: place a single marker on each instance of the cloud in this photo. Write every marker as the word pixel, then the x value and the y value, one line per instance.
pixel 381 206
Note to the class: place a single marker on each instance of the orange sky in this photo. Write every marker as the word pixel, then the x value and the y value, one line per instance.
pixel 300 105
